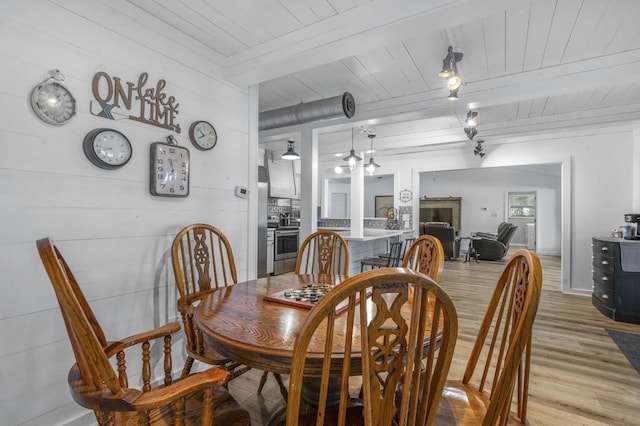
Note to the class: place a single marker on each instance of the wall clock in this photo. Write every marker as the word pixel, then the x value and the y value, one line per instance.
pixel 169 169
pixel 107 148
pixel 203 135
pixel 52 102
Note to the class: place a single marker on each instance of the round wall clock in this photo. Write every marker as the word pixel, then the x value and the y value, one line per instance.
pixel 107 148
pixel 203 135
pixel 169 169
pixel 52 102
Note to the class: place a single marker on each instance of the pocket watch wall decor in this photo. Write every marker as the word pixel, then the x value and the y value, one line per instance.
pixel 169 169
pixel 203 135
pixel 52 102
pixel 107 148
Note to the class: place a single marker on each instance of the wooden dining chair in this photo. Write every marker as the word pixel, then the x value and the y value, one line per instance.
pixel 199 398
pixel 501 353
pixel 391 333
pixel 323 252
pixel 203 262
pixel 425 255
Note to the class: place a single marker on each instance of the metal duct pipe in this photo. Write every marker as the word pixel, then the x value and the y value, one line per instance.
pixel 336 107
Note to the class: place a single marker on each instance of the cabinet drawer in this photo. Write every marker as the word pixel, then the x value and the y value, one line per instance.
pixel 603 247
pixel 603 264
pixel 604 295
pixel 603 279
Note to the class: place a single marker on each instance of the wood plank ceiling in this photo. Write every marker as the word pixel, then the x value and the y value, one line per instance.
pixel 529 67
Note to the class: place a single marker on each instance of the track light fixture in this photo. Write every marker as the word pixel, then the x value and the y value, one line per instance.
pixel 471 122
pixel 371 166
pixel 290 154
pixel 479 150
pixel 450 72
pixel 352 158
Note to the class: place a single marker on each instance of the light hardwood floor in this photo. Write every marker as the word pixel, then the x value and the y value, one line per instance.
pixel 578 375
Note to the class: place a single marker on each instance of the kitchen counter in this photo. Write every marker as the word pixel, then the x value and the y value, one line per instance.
pixel 370 235
pixel 371 244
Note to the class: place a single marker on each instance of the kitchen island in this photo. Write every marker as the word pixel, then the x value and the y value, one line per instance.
pixel 372 243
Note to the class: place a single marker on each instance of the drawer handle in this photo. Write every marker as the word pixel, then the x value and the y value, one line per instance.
pixel 604 262
pixel 605 296
pixel 605 279
pixel 604 249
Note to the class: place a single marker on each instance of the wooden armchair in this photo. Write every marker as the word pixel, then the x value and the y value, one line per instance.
pixel 425 255
pixel 502 352
pixel 391 332
pixel 323 252
pixel 196 399
pixel 203 262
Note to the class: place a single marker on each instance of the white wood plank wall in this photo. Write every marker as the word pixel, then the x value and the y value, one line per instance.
pixel 113 233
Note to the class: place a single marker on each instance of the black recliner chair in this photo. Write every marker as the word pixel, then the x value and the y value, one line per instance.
pixel 490 247
pixel 446 234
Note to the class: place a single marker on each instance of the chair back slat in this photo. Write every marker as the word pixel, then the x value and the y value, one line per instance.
pixel 323 252
pixel 395 254
pixel 385 334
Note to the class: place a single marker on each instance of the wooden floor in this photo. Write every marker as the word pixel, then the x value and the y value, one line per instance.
pixel 578 375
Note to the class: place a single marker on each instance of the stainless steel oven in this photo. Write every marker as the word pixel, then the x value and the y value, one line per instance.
pixel 286 245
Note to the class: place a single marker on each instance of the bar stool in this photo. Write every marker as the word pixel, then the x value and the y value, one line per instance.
pixel 395 251
pixel 407 244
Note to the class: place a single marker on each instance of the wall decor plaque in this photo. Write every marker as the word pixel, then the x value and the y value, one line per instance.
pixel 141 101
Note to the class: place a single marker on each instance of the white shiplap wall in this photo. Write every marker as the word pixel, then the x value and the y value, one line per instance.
pixel 113 233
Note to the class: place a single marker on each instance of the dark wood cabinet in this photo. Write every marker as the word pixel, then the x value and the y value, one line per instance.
pixel 616 292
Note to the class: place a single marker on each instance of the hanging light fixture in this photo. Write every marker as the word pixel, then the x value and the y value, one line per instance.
pixel 290 154
pixel 471 122
pixel 352 158
pixel 450 72
pixel 371 166
pixel 478 150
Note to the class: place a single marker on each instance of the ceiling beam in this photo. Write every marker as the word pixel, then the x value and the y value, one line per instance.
pixel 356 31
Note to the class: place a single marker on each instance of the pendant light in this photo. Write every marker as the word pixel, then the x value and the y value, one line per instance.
pixel 450 72
pixel 352 158
pixel 371 166
pixel 290 154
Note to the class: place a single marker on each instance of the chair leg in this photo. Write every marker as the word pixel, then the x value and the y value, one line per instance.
pixel 263 380
pixel 283 388
pixel 278 377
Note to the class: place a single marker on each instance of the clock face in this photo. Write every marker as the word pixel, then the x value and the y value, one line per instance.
pixel 53 103
pixel 203 135
pixel 107 148
pixel 169 170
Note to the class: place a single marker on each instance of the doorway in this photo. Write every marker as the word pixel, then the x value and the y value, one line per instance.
pixel 521 211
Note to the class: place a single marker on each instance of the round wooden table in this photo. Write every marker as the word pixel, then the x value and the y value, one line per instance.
pixel 239 324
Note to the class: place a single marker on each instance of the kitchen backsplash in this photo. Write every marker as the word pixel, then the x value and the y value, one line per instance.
pixel 283 206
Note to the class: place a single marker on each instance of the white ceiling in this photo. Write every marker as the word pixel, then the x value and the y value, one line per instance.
pixel 529 67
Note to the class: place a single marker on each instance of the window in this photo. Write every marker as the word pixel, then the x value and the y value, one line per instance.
pixel 522 205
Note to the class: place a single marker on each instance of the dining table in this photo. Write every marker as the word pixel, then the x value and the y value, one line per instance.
pixel 244 323
pixel 240 324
